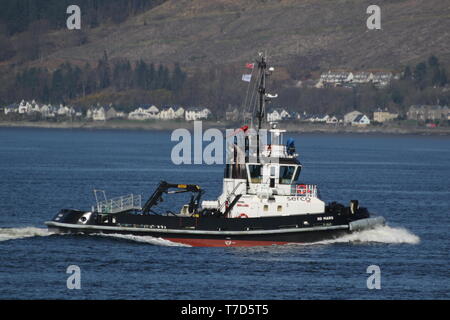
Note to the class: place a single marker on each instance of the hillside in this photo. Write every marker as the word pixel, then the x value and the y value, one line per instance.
pixel 211 40
pixel 326 33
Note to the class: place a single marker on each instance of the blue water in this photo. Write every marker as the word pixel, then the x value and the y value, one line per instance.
pixel 406 179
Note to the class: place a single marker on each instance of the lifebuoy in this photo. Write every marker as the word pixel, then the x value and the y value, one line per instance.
pixel 243 215
pixel 301 189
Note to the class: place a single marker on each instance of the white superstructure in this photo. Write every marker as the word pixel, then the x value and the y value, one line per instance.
pixel 269 187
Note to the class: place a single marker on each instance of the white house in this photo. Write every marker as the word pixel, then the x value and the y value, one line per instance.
pixel 382 79
pixel 139 114
pixel 24 107
pixel 317 118
pixel 47 111
pixel 193 114
pixel 332 120
pixel 11 109
pixel 349 117
pixel 167 113
pixel 335 78
pixel 277 114
pixel 361 120
pixel 273 115
pixel 34 107
pixel 179 113
pixel 362 77
pixel 65 111
pixel 99 114
pixel 339 78
pixel 144 114
pixel 153 112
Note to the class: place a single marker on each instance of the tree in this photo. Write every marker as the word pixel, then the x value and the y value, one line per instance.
pixel 91 84
pixel 433 62
pixel 397 96
pixel 151 75
pixel 141 75
pixel 178 78
pixel 407 74
pixel 163 80
pixel 103 72
pixel 420 73
pixel 57 91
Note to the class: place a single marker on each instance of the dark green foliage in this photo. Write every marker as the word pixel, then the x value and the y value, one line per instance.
pixel 397 96
pixel 427 74
pixel 103 71
pixel 69 82
pixel 407 74
pixel 433 62
pixel 18 15
pixel 420 73
pixel 178 78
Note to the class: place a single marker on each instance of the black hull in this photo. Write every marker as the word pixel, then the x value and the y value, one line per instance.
pixel 219 240
pixel 214 231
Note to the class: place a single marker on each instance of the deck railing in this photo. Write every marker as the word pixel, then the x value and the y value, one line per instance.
pixel 119 204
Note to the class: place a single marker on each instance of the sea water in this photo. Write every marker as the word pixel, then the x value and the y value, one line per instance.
pixel 405 179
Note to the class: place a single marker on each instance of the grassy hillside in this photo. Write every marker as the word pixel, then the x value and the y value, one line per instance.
pixel 328 33
pixel 212 40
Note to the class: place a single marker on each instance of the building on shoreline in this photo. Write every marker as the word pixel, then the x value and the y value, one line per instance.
pixel 384 116
pixel 278 114
pixel 428 113
pixel 361 120
pixel 196 113
pixel 152 112
pixel 349 117
pixel 44 111
pixel 346 78
pixel 103 114
pixel 144 114
pixel 356 118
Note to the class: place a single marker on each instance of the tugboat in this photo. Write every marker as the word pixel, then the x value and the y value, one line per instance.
pixel 262 202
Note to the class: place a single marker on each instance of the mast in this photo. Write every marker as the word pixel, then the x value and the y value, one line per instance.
pixel 262 65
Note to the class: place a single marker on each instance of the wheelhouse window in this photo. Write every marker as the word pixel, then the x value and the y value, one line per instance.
pixel 255 173
pixel 297 174
pixel 235 171
pixel 287 173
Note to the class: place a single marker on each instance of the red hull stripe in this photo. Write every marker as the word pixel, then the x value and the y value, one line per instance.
pixel 223 243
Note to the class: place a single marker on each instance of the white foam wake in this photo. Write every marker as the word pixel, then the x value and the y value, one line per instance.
pixel 380 234
pixel 20 233
pixel 142 239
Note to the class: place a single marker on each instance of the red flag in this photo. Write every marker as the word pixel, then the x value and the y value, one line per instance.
pixel 243 128
pixel 250 65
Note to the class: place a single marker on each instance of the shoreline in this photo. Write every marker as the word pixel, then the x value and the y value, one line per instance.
pixel 172 125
